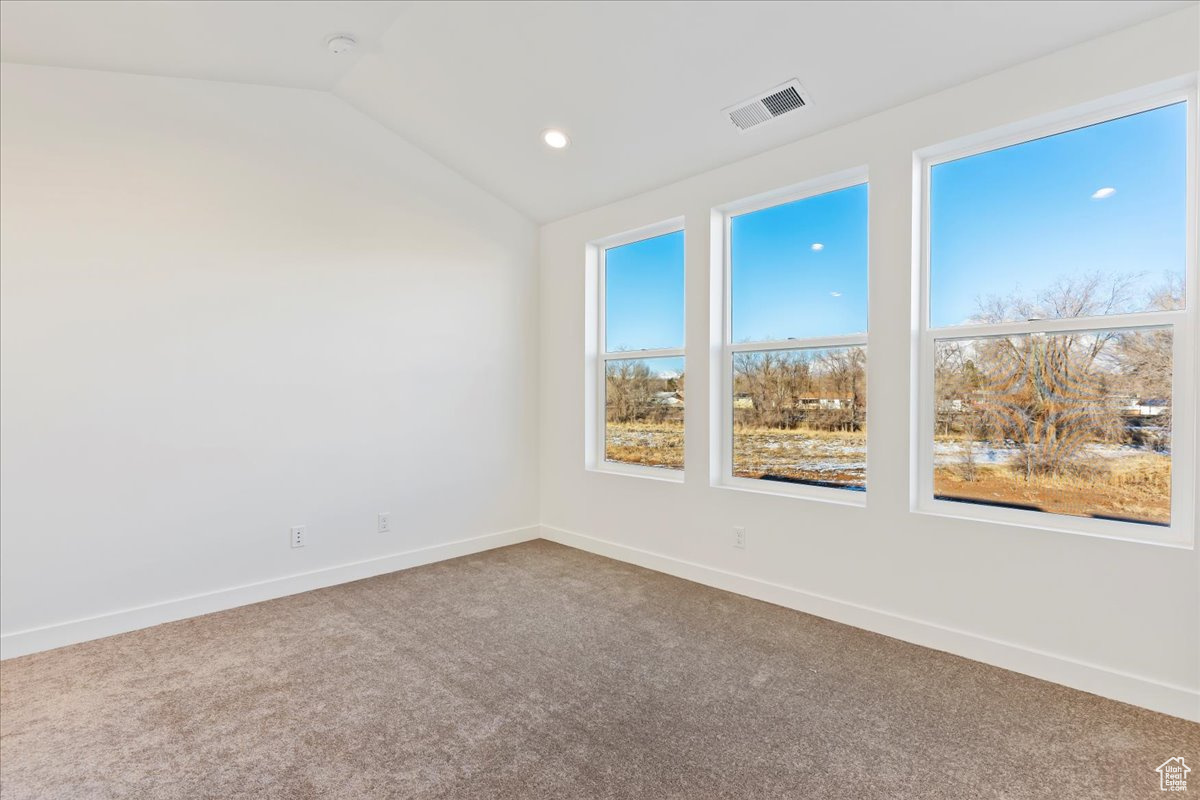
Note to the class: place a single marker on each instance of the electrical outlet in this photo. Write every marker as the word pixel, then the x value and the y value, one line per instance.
pixel 383 523
pixel 299 534
pixel 739 538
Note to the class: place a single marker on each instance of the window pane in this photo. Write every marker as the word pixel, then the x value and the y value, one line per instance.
pixel 1069 423
pixel 1085 223
pixel 800 416
pixel 643 294
pixel 799 270
pixel 643 411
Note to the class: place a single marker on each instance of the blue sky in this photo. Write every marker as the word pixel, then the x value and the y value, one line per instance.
pixel 643 294
pixel 783 286
pixel 1021 218
pixel 800 269
pixel 1011 220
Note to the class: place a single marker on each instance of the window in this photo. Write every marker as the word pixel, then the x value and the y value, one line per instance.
pixel 1057 328
pixel 641 363
pixel 794 416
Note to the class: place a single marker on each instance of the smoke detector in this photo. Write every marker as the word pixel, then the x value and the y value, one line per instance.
pixel 339 44
pixel 770 105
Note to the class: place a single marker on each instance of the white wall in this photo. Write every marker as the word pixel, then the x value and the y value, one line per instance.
pixel 223 307
pixel 1117 618
pixel 228 309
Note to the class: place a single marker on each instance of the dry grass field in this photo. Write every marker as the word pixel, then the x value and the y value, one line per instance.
pixel 1133 487
pixel 655 444
pixel 836 458
pixel 1125 484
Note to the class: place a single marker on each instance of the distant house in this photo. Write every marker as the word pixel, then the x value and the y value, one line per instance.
pixel 814 403
pixel 1145 407
pixel 667 399
pixel 833 403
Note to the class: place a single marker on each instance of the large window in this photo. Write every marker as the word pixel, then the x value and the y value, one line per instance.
pixel 1056 310
pixel 641 359
pixel 794 358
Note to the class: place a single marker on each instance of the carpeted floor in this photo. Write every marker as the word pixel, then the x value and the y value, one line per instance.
pixel 538 671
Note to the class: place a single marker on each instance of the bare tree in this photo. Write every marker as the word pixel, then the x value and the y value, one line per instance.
pixel 627 390
pixel 844 374
pixel 1144 360
pixel 788 389
pixel 1088 295
pixel 1053 394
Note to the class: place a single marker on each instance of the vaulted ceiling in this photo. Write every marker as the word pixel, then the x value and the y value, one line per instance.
pixel 638 86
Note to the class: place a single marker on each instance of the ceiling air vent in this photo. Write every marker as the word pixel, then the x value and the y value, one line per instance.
pixel 767 106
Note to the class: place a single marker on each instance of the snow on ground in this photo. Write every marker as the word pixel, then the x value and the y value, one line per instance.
pixel 792 451
pixel 950 453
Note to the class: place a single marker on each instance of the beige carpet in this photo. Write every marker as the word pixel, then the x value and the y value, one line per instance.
pixel 537 671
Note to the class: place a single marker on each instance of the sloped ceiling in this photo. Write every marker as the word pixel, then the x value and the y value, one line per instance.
pixel 638 86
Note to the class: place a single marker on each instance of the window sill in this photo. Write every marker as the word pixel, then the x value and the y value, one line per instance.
pixel 663 474
pixel 1047 522
pixel 821 494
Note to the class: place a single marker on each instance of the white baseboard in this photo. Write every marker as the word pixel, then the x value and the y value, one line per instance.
pixel 21 643
pixel 1179 701
pixel 1138 690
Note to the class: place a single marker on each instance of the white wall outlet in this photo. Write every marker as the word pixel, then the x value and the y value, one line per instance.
pixel 299 534
pixel 739 538
pixel 383 523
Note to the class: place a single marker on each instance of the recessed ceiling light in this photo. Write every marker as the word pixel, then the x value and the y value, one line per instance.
pixel 817 247
pixel 555 138
pixel 340 44
pixel 1104 192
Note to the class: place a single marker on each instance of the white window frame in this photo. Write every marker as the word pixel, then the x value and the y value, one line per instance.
pixel 599 355
pixel 725 353
pixel 1181 530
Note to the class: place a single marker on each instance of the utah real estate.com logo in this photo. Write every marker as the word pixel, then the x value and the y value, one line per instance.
pixel 1172 775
